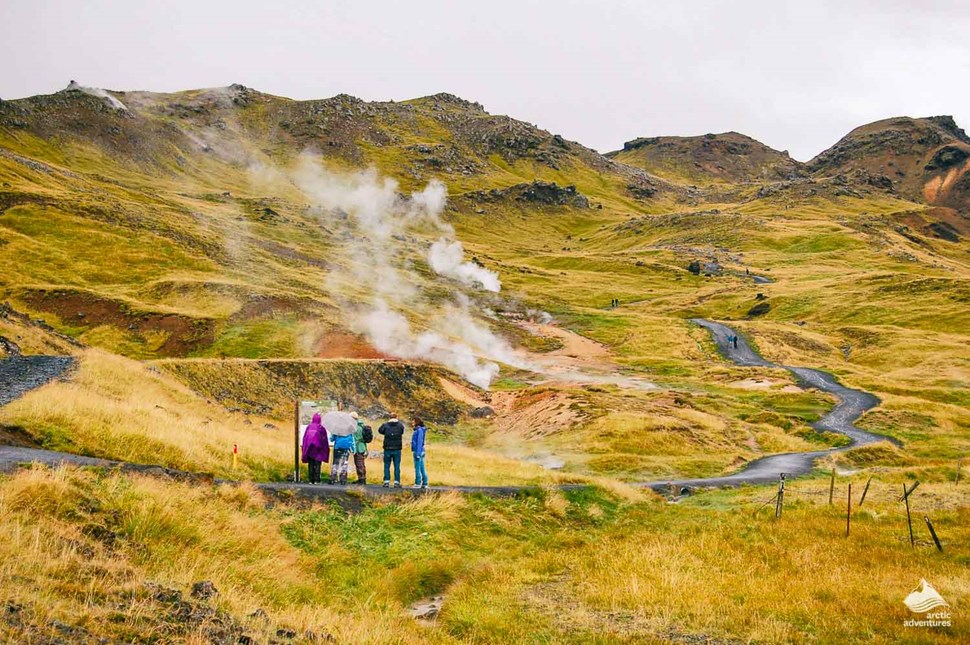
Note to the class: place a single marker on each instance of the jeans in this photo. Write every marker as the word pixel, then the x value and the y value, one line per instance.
pixel 420 472
pixel 392 456
pixel 313 470
pixel 338 470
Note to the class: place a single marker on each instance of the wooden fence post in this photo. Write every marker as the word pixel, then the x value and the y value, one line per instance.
pixel 908 492
pixel 832 487
pixel 296 442
pixel 864 491
pixel 848 511
pixel 909 519
pixel 780 501
pixel 929 525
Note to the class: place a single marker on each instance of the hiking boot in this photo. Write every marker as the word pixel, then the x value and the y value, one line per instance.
pixel 332 482
pixel 397 484
pixel 424 486
pixel 387 484
pixel 417 486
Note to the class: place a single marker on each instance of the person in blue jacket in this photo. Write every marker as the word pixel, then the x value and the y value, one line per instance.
pixel 417 447
pixel 343 447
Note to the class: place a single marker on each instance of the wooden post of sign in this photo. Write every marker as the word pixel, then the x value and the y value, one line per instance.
pixel 296 442
pixel 780 501
pixel 929 525
pixel 864 491
pixel 848 511
pixel 909 519
pixel 832 487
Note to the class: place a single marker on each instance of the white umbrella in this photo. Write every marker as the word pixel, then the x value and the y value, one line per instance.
pixel 339 424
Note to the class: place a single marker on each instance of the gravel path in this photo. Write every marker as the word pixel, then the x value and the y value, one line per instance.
pixel 852 404
pixel 21 374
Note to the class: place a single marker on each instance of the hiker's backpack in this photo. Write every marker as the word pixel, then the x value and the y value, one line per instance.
pixel 368 434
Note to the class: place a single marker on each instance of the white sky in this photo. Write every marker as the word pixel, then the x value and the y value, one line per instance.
pixel 796 75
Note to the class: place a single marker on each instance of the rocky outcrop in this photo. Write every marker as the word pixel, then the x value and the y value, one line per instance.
pixel 538 192
pixel 926 159
pixel 729 157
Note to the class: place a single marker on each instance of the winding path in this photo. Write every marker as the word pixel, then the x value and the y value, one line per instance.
pixel 852 404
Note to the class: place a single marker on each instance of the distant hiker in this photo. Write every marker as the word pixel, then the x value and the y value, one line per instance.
pixel 735 341
pixel 316 448
pixel 417 447
pixel 747 271
pixel 393 431
pixel 343 446
pixel 362 436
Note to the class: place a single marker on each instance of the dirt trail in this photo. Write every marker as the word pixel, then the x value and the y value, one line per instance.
pixel 575 346
pixel 580 360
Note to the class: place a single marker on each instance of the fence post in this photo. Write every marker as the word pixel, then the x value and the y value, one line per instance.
pixel 864 491
pixel 929 525
pixel 909 519
pixel 907 493
pixel 296 442
pixel 832 487
pixel 780 501
pixel 848 511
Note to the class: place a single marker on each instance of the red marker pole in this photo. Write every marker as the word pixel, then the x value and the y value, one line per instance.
pixel 235 456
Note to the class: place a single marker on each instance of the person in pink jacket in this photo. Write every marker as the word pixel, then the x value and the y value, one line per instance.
pixel 316 448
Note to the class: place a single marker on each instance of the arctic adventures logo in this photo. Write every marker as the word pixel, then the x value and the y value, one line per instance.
pixel 928 601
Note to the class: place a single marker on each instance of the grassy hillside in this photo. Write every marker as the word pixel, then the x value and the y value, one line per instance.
pixel 172 229
pixel 187 250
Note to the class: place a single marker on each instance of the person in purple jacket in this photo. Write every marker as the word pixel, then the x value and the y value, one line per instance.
pixel 417 447
pixel 316 448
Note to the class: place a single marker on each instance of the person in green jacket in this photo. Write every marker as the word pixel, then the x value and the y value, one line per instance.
pixel 362 436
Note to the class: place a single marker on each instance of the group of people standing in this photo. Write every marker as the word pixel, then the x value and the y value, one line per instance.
pixel 316 451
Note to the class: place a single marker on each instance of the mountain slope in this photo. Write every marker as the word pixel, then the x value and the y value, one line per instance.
pixel 728 157
pixel 927 159
pixel 170 224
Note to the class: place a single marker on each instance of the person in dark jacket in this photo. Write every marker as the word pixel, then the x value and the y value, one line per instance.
pixel 393 431
pixel 316 448
pixel 417 447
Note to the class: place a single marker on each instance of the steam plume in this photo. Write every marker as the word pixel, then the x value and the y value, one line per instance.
pixel 399 310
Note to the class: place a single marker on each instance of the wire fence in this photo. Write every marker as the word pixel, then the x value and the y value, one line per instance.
pixel 840 494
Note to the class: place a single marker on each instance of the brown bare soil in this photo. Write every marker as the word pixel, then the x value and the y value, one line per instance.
pixel 535 414
pixel 463 393
pixel 343 345
pixel 86 310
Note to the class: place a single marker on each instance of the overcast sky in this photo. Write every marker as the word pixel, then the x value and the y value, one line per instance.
pixel 795 75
